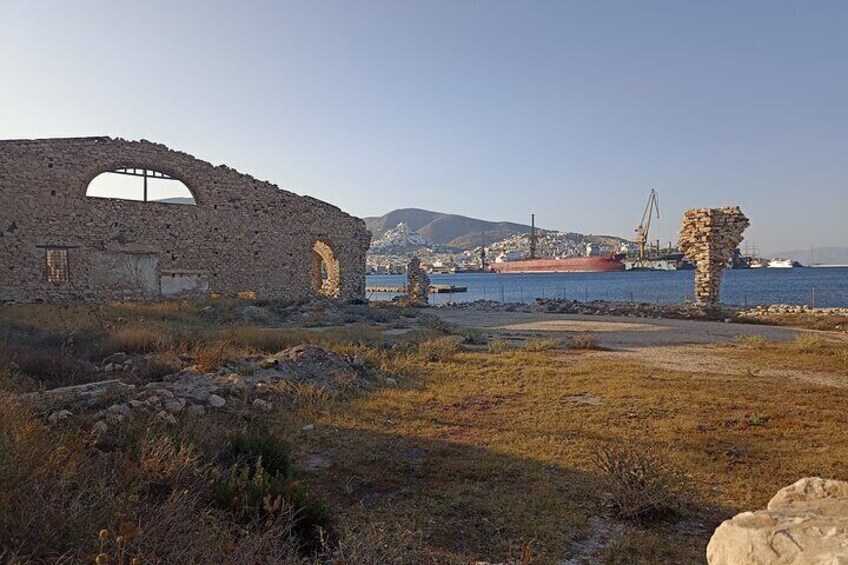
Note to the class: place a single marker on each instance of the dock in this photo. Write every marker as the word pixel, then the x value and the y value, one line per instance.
pixel 434 289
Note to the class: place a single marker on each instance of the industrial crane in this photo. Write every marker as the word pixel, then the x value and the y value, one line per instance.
pixel 644 228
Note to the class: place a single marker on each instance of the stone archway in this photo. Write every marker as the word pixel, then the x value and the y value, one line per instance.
pixel 326 278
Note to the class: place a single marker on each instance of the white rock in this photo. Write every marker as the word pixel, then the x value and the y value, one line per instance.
pixel 216 401
pixel 263 405
pixel 108 368
pixel 101 427
pixel 164 416
pixel 805 523
pixel 173 406
pixel 56 417
pixel 121 409
pixel 308 427
pixel 391 381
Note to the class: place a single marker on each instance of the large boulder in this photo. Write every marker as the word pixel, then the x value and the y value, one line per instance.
pixel 805 523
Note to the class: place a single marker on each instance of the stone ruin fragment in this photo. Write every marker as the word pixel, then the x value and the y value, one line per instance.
pixel 417 282
pixel 709 237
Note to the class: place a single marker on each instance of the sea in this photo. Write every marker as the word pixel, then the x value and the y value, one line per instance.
pixel 821 287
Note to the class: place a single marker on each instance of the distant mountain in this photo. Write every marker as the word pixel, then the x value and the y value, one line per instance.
pixel 451 230
pixel 819 255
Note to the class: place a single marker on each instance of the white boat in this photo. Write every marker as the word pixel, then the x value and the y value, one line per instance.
pixel 780 263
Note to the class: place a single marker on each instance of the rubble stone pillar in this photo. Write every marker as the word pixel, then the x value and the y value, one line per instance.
pixel 417 282
pixel 709 237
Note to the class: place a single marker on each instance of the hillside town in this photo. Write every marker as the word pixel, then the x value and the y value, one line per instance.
pixel 391 251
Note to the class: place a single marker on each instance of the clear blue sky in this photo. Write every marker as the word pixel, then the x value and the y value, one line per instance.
pixel 571 110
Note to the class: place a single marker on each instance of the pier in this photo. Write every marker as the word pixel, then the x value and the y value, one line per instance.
pixel 434 289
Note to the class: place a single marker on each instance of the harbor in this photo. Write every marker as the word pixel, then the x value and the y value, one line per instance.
pixel 821 287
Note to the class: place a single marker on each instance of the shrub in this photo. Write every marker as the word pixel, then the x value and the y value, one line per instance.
pixel 473 336
pixel 259 488
pixel 500 345
pixel 754 341
pixel 136 339
pixel 541 344
pixel 262 339
pixel 49 366
pixel 210 357
pixel 583 341
pixel 251 445
pixel 436 324
pixel 641 485
pixel 842 355
pixel 808 342
pixel 438 349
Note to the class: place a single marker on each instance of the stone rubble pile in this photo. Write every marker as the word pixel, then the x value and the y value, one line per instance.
pixel 764 311
pixel 709 237
pixel 687 310
pixel 417 282
pixel 806 522
pixel 249 382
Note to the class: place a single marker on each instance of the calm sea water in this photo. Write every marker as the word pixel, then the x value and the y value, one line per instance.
pixel 823 287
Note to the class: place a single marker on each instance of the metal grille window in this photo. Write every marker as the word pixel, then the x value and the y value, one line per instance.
pixel 57 265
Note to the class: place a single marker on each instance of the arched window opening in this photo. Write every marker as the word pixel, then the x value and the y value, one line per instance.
pixel 142 185
pixel 325 270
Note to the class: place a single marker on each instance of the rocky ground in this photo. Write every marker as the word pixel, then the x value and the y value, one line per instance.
pixel 247 384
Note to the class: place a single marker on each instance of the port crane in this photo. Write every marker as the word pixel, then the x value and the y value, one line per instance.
pixel 642 232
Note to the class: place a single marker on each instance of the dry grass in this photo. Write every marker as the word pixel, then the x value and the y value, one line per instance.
pixel 809 352
pixel 754 341
pixel 640 484
pixel 465 456
pixel 583 341
pixel 809 342
pixel 60 490
pixel 542 344
pixel 488 452
pixel 500 345
pixel 438 349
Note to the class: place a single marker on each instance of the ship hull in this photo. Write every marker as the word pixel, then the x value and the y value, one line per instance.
pixel 569 265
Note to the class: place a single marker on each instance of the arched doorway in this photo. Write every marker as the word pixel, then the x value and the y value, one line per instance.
pixel 325 270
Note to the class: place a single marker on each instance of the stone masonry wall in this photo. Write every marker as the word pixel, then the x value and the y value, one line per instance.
pixel 243 234
pixel 709 237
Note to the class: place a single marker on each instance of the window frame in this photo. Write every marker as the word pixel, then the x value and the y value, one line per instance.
pixel 58 271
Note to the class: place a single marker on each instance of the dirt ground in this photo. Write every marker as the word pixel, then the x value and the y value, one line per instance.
pixel 677 345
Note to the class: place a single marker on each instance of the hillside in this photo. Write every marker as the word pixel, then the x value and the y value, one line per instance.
pixel 451 230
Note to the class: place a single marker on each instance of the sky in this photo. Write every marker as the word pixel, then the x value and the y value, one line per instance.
pixel 569 110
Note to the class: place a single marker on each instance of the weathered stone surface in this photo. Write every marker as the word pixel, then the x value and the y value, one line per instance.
pixel 242 236
pixel 216 401
pixel 87 394
pixel 417 282
pixel 708 237
pixel 805 523
pixel 263 405
pixel 312 365
pixel 112 401
pixel 58 416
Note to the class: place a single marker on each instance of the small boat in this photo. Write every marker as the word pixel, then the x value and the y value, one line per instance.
pixel 781 263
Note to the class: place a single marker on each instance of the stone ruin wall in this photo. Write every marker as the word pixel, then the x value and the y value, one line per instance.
pixel 417 282
pixel 709 237
pixel 242 236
